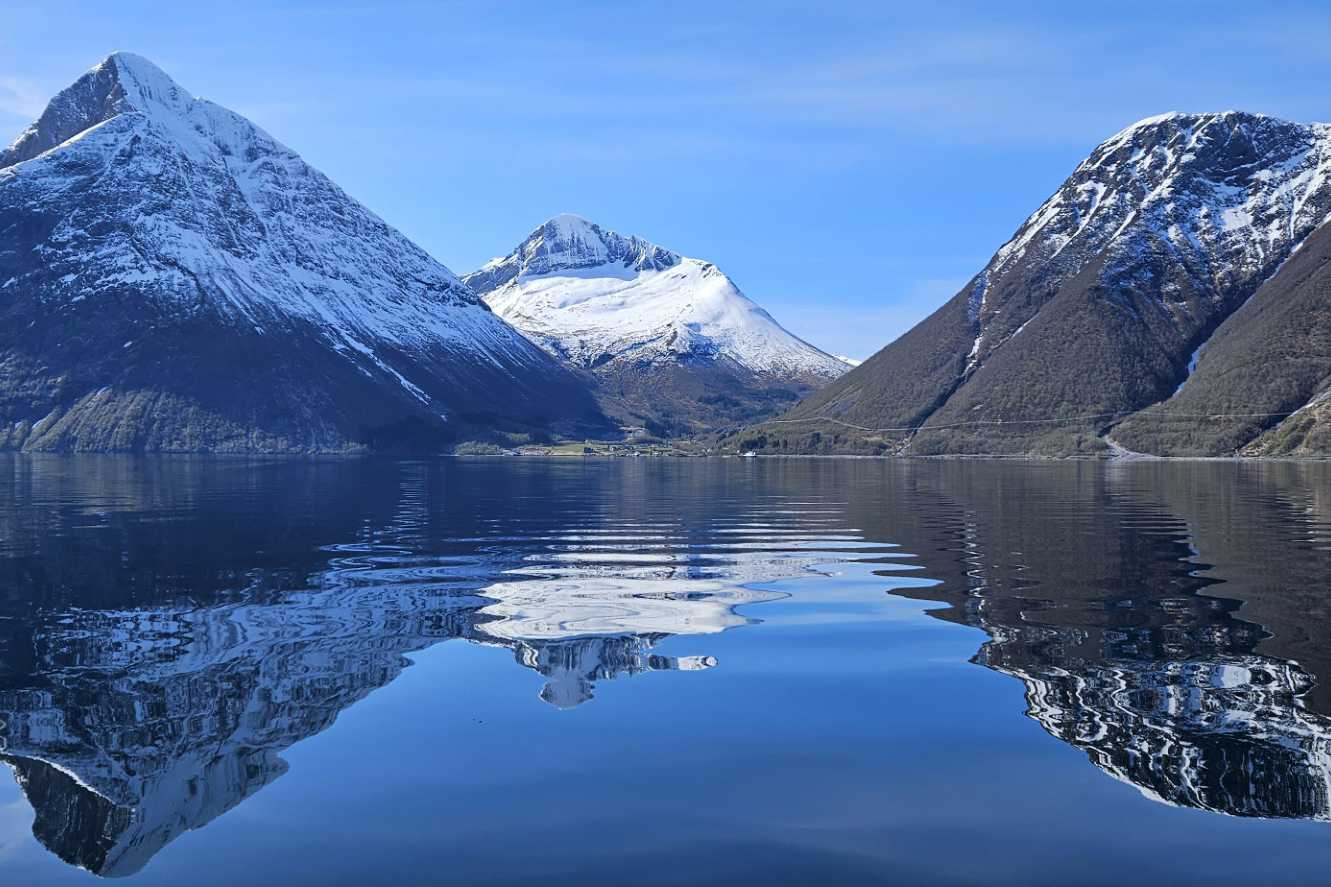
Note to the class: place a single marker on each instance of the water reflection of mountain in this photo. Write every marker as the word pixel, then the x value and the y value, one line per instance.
pixel 169 627
pixel 1229 735
pixel 175 640
pixel 1170 620
pixel 149 723
pixel 577 630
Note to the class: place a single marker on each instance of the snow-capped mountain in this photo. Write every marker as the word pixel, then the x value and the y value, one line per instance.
pixel 1095 307
pixel 591 295
pixel 1228 196
pixel 612 303
pixel 172 277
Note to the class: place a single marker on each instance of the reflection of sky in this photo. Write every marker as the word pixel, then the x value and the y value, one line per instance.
pixel 15 819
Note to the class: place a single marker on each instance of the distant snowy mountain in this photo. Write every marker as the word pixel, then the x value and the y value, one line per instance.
pixel 621 306
pixel 1096 307
pixel 173 278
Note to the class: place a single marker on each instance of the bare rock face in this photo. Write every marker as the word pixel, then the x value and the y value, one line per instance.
pixel 173 278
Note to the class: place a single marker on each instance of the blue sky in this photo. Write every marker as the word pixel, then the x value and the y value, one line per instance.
pixel 849 164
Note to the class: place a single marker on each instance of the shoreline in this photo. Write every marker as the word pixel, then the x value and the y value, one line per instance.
pixel 420 457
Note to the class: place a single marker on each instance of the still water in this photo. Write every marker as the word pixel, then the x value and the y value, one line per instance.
pixel 223 671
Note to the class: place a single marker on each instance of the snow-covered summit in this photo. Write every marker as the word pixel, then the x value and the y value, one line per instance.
pixel 122 83
pixel 592 296
pixel 1252 181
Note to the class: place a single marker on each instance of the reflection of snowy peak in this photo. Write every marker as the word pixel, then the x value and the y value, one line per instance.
pixel 221 293
pixel 553 609
pixel 572 666
pixel 151 723
pixel 590 296
pixel 120 741
pixel 1230 736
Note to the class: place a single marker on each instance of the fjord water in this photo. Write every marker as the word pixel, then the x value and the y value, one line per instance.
pixel 222 671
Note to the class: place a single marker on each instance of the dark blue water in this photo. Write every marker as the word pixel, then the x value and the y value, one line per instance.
pixel 220 671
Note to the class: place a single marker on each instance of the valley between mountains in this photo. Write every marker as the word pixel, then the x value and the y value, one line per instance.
pixel 174 279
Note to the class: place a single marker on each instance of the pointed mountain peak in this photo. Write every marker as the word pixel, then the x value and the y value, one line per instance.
pixel 146 86
pixel 121 83
pixel 570 223
pixel 569 242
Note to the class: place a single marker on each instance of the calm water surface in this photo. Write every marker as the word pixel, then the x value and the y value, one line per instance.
pixel 218 671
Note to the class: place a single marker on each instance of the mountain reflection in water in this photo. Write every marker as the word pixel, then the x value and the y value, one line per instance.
pixel 170 626
pixel 137 722
pixel 1099 588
